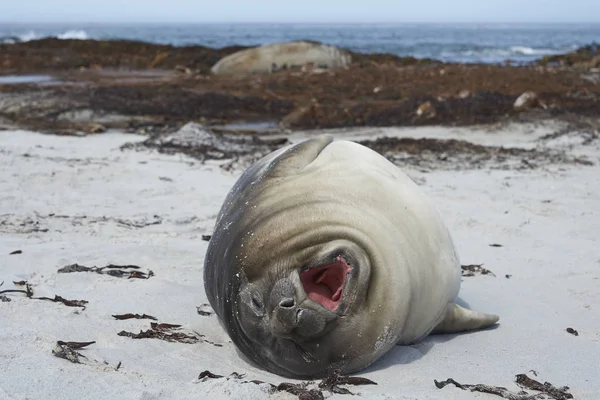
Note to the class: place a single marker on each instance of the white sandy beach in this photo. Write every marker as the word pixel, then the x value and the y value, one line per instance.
pixel 547 221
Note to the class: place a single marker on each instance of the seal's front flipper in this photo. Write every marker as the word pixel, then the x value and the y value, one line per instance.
pixel 458 319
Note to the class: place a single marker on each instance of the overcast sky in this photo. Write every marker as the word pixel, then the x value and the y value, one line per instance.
pixel 82 11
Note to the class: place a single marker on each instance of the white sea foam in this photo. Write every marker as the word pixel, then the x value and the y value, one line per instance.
pixel 507 52
pixel 32 35
pixel 531 51
pixel 26 37
pixel 74 34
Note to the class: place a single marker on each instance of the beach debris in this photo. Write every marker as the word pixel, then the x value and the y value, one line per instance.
pixel 133 316
pixel 111 269
pixel 527 101
pixel 572 331
pixel 426 110
pixel 197 141
pixel 463 94
pixel 95 128
pixel 205 310
pixel 118 366
pixel 15 252
pixel 332 383
pixel 182 69
pixel 206 238
pixel 475 269
pixel 67 351
pixel 68 303
pixel 508 276
pixel 169 333
pixel 166 334
pixel 208 374
pixel 496 245
pixel 28 291
pixel 547 390
pixel 556 393
pixel 304 390
pixel 157 220
pixel 5 299
pixel 139 222
pixel 20 283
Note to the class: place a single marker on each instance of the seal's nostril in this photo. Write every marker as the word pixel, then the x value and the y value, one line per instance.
pixel 287 303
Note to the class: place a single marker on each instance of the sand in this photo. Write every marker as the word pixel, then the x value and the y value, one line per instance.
pixel 66 200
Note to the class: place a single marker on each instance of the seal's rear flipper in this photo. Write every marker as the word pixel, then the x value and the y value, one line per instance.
pixel 458 319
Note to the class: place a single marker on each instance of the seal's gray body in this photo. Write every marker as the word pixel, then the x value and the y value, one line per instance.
pixel 311 204
pixel 275 56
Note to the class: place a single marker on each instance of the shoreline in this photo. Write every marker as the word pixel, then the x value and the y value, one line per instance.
pixel 90 86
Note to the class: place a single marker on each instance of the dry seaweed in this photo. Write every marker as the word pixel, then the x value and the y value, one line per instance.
pixel 572 331
pixel 75 345
pixel 556 393
pixel 68 303
pixel 67 351
pixel 547 389
pixel 119 271
pixel 28 291
pixel 169 333
pixel 205 310
pixel 15 252
pixel 331 384
pixel 333 381
pixel 133 316
pixel 475 269
pixel 208 374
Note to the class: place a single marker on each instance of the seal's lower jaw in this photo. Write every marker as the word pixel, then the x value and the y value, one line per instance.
pixel 325 283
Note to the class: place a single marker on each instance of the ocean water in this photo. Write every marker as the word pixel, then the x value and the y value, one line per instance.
pixel 488 43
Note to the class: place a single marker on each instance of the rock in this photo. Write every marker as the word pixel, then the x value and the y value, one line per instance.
pixel 579 57
pixel 95 128
pixel 593 63
pixel 526 101
pixel 278 56
pixel 463 94
pixel 426 110
pixel 302 116
pixel 183 69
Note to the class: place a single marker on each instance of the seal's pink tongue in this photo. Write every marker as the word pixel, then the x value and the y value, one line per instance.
pixel 325 284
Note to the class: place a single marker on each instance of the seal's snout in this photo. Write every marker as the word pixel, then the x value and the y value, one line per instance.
pixel 287 316
pixel 285 310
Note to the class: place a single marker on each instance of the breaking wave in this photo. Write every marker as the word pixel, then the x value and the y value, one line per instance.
pixel 489 54
pixel 79 34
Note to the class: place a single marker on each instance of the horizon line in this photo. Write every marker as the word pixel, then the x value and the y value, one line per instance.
pixel 308 22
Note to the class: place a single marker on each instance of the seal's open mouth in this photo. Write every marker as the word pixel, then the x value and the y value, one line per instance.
pixel 324 284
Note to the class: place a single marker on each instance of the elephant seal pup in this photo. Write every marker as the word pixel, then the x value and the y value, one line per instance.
pixel 325 255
